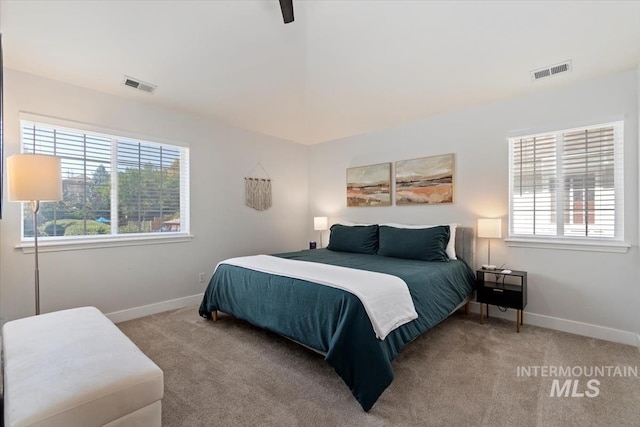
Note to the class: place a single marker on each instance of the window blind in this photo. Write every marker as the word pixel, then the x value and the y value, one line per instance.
pixel 534 185
pixel 568 183
pixel 111 185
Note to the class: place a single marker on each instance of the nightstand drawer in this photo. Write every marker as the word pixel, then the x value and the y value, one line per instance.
pixel 496 294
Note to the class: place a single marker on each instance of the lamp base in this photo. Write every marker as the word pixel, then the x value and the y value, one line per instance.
pixel 489 267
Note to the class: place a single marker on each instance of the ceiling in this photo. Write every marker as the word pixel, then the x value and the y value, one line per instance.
pixel 342 68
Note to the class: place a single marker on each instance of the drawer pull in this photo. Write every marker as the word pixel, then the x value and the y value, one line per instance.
pixel 498 290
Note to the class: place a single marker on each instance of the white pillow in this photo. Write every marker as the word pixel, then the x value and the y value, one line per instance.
pixel 451 245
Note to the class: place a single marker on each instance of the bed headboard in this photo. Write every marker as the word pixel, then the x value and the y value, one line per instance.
pixel 465 245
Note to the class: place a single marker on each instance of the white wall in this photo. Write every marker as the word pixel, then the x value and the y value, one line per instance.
pixel 638 261
pixel 565 287
pixel 115 279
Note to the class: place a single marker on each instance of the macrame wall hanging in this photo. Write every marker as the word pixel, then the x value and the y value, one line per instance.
pixel 258 192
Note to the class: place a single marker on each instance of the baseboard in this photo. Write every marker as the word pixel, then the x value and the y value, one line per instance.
pixel 159 307
pixel 564 325
pixel 570 326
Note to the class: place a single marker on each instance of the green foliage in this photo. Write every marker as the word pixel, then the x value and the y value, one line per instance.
pixel 73 227
pixel 135 227
pixel 92 227
pixel 100 193
pixel 147 193
pixel 52 228
pixel 144 195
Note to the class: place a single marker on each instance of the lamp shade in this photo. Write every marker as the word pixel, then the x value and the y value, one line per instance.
pixel 320 223
pixel 34 177
pixel 490 228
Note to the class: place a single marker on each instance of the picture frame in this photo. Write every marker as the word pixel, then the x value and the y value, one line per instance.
pixel 425 180
pixel 369 185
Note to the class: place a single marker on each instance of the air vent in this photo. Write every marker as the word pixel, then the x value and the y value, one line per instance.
pixel 551 71
pixel 139 84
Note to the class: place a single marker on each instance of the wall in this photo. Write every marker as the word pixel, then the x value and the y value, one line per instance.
pixel 117 279
pixel 592 293
pixel 585 292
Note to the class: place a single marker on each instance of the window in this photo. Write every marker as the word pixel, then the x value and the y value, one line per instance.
pixel 568 184
pixel 112 186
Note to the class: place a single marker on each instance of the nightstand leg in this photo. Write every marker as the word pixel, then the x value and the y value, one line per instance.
pixel 481 314
pixel 487 311
pixel 518 314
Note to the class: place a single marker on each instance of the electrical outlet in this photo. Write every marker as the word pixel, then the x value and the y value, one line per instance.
pixel 202 277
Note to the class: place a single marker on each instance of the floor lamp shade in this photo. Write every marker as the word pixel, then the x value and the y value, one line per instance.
pixel 34 177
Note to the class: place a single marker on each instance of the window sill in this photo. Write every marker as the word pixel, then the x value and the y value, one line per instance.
pixel 570 245
pixel 102 242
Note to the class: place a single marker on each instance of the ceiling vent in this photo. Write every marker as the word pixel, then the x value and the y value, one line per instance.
pixel 551 71
pixel 139 84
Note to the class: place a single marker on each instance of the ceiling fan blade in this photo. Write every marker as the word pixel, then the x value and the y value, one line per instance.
pixel 287 10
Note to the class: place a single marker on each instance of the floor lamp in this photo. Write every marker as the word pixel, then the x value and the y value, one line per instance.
pixel 320 223
pixel 489 228
pixel 34 178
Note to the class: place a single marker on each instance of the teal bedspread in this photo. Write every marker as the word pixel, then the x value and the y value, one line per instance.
pixel 334 321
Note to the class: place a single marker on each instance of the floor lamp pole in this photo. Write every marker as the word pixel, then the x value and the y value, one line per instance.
pixel 35 207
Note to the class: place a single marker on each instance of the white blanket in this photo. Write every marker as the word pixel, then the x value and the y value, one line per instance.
pixel 385 298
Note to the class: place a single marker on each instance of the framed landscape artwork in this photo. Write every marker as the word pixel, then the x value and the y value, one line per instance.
pixel 428 180
pixel 369 185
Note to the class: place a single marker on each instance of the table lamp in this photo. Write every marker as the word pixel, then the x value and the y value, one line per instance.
pixel 489 228
pixel 320 223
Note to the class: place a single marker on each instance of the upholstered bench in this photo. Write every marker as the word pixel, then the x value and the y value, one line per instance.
pixel 76 368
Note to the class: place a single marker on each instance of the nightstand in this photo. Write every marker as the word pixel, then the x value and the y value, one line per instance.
pixel 503 290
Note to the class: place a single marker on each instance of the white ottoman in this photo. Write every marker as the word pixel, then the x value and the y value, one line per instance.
pixel 76 368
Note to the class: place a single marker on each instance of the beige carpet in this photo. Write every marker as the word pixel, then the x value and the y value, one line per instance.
pixel 459 373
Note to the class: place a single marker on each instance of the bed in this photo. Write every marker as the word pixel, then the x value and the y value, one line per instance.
pixel 335 322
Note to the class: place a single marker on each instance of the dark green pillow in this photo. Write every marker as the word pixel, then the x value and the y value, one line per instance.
pixel 425 244
pixel 362 239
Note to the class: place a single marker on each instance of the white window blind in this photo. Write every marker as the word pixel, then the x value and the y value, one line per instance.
pixel 568 184
pixel 111 185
